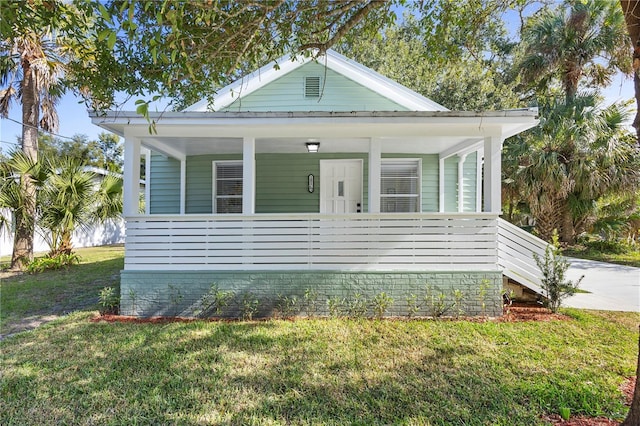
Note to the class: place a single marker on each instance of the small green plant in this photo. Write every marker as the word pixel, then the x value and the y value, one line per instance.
pixel 381 303
pixel 311 302
pixel 214 301
pixel 412 305
pixel 485 285
pixel 58 261
pixel 249 306
pixel 554 283
pixel 565 413
pixel 334 305
pixel 357 306
pixel 133 299
pixel 175 298
pixel 436 302
pixel 458 296
pixel 287 305
pixel 109 301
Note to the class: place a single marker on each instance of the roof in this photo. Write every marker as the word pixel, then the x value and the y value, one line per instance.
pixel 364 76
pixel 195 133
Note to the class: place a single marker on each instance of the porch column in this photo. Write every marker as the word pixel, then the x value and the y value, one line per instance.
pixel 461 160
pixel 492 174
pixel 375 159
pixel 131 175
pixel 183 185
pixel 248 175
pixel 441 185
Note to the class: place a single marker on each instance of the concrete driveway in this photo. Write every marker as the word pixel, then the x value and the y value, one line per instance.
pixel 612 287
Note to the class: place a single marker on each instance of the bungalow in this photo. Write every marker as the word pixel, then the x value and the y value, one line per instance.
pixel 325 178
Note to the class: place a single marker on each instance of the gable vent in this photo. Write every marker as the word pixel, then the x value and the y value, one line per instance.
pixel 312 87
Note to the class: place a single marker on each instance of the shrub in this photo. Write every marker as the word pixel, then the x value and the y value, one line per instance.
pixel 554 283
pixel 109 301
pixel 214 301
pixel 58 261
pixel 381 303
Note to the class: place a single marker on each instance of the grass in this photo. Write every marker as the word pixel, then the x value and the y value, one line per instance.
pixel 28 298
pixel 322 371
pixel 629 257
pixel 74 371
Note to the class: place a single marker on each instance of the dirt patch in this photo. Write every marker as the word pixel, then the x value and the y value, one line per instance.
pixel 25 324
pixel 517 313
pixel 627 389
pixel 6 273
pixel 555 419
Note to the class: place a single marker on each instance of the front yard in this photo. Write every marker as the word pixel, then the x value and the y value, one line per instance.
pixel 75 370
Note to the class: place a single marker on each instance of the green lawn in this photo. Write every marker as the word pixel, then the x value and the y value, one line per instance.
pixel 27 299
pixel 629 258
pixel 323 371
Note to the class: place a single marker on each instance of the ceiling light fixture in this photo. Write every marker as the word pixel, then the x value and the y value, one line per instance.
pixel 313 146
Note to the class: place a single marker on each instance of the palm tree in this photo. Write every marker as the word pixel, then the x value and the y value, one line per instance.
pixel 579 154
pixel 13 199
pixel 569 43
pixel 72 199
pixel 46 47
pixel 31 69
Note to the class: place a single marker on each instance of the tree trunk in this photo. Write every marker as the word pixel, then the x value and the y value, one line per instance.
pixel 25 217
pixel 631 9
pixel 633 417
pixel 567 230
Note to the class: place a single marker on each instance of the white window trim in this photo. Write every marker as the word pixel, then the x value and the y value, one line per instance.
pixel 419 183
pixel 214 207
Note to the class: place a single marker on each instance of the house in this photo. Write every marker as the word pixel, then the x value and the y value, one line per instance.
pixel 318 176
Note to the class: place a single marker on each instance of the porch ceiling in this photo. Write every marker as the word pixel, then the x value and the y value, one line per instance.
pixel 196 133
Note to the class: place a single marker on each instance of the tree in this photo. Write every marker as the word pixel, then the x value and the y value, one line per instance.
pixel 578 154
pixel 567 44
pixel 71 199
pixel 104 153
pixel 186 50
pixel 631 10
pixel 401 53
pixel 39 39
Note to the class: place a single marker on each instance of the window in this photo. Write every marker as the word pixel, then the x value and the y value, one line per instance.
pixel 400 186
pixel 312 87
pixel 227 187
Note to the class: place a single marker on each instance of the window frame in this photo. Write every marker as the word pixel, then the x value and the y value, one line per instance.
pixel 214 206
pixel 418 195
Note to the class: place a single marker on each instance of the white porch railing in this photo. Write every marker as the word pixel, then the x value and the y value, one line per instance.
pixel 515 254
pixel 364 242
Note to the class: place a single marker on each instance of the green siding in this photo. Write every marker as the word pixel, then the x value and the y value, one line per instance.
pixel 165 185
pixel 199 198
pixel 338 93
pixel 470 168
pixel 281 181
pixel 180 293
pixel 451 184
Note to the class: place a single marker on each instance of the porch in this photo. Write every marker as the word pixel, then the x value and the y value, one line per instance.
pixel 352 242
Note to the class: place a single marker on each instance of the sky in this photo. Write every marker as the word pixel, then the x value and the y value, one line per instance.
pixel 74 118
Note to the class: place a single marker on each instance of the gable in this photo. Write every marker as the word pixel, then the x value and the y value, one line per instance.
pixel 345 85
pixel 296 90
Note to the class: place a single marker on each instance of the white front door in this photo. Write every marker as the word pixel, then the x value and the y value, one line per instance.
pixel 340 186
